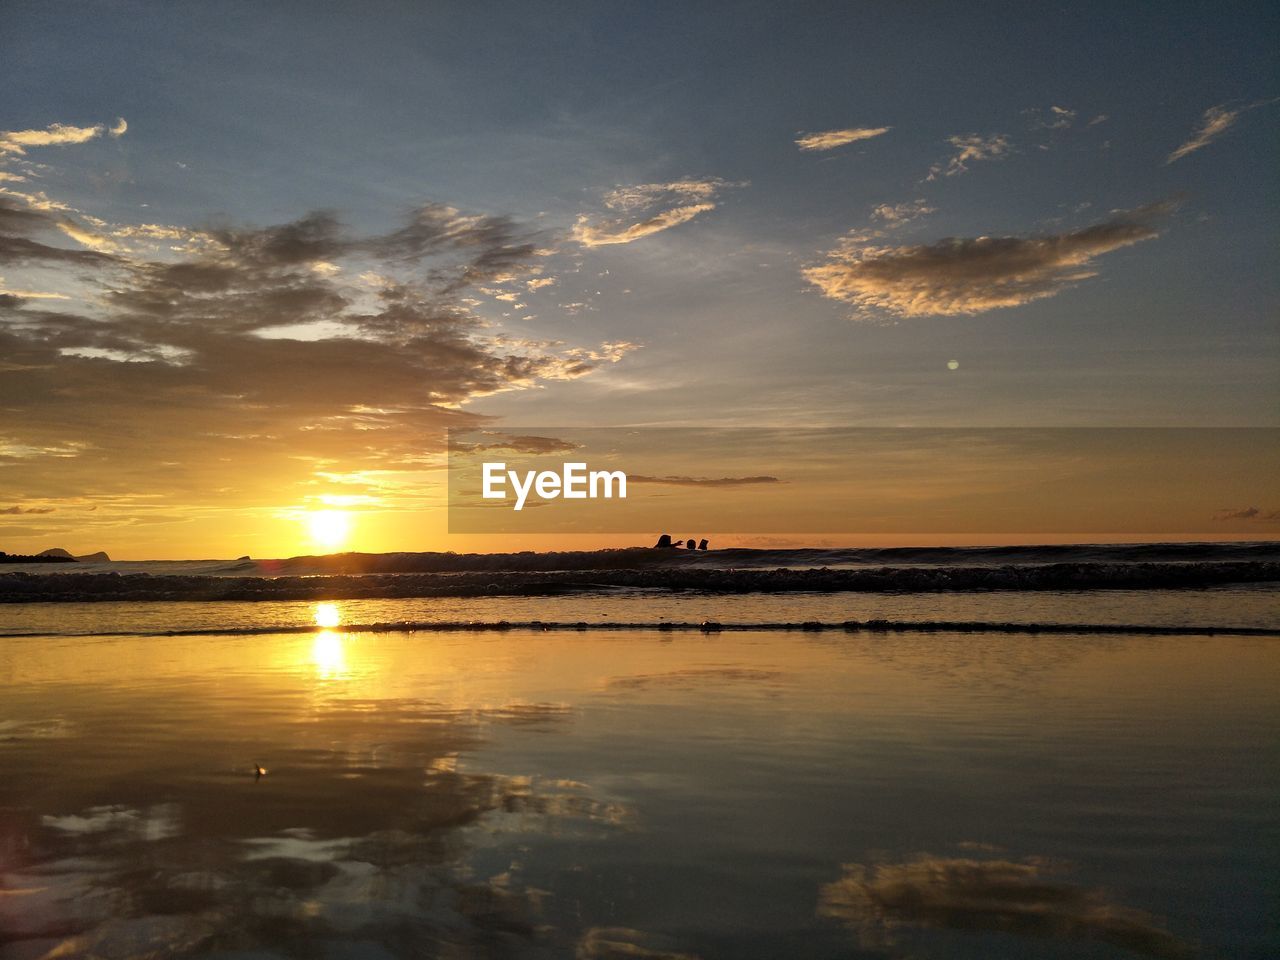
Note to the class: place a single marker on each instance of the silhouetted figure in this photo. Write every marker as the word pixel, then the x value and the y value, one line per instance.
pixel 691 544
pixel 702 544
pixel 259 771
pixel 663 543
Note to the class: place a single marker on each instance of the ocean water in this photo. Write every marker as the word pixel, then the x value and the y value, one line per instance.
pixel 639 793
pixel 1252 605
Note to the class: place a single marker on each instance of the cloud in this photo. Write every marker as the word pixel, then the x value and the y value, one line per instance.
pixel 118 128
pixel 1054 118
pixel 1019 898
pixel 513 443
pixel 973 275
pixel 970 148
pixel 703 481
pixel 165 336
pixel 18 511
pixel 56 134
pixel 1248 513
pixel 896 214
pixel 673 204
pixel 1215 122
pixel 830 139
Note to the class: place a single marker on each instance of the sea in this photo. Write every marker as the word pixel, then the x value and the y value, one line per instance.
pixel 647 773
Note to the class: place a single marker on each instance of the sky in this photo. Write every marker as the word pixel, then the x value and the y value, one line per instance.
pixel 254 259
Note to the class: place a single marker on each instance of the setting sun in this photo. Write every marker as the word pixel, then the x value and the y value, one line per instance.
pixel 329 528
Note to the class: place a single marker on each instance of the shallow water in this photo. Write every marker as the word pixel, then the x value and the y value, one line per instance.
pixel 605 794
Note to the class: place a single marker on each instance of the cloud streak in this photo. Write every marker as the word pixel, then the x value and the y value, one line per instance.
pixel 830 139
pixel 668 205
pixel 16 142
pixel 1215 122
pixel 974 275
pixel 703 481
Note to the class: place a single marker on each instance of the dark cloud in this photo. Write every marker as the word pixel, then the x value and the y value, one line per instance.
pixel 703 481
pixel 1012 897
pixel 516 443
pixel 973 275
pixel 314 237
pixel 18 222
pixel 15 511
pixel 1248 513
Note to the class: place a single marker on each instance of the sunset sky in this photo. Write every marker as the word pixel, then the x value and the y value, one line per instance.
pixel 254 258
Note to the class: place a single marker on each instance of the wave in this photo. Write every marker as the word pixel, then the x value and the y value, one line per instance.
pixel 705 626
pixel 29 587
pixel 643 558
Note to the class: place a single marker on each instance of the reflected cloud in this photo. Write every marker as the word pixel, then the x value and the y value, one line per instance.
pixel 15 731
pixel 1001 896
pixel 624 943
pixel 159 822
pixel 402 888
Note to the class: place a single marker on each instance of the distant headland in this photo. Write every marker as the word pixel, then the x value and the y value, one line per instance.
pixel 54 555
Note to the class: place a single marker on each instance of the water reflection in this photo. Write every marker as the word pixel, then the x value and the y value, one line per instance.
pixel 329 655
pixel 327 615
pixel 881 901
pixel 611 796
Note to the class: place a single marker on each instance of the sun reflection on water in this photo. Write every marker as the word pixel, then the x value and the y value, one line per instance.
pixel 328 653
pixel 328 650
pixel 327 615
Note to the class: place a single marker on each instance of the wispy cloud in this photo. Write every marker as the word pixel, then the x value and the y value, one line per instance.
pixel 1248 513
pixel 1215 122
pixel 525 444
pixel 1053 118
pixel 970 148
pixel 973 275
pixel 830 139
pixel 56 134
pixel 897 214
pixel 703 481
pixel 671 204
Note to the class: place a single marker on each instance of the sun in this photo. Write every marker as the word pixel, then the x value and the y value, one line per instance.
pixel 329 528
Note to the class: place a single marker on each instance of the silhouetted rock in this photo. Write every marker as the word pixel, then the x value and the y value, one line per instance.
pixel 55 552
pixel 99 557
